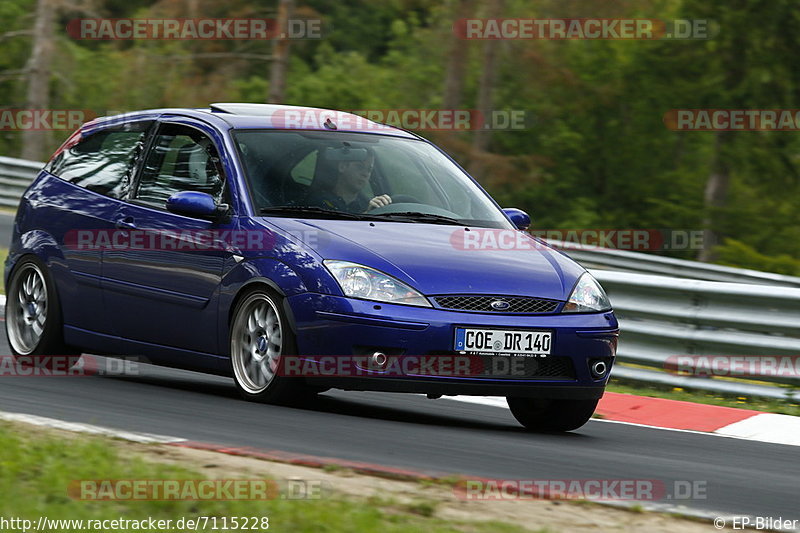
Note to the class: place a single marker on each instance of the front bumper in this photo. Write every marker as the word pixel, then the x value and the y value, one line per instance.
pixel 337 326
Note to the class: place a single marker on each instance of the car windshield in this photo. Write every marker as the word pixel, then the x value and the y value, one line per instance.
pixel 360 176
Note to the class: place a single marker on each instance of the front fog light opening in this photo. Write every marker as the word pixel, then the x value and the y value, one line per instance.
pixel 380 359
pixel 599 368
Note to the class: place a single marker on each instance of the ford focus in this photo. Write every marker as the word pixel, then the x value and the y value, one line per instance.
pixel 297 250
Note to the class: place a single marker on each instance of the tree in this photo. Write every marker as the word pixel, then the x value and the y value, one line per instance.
pixel 35 143
pixel 280 54
pixel 457 58
pixel 480 142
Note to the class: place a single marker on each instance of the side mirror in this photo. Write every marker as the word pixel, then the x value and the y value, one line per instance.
pixel 518 217
pixel 195 204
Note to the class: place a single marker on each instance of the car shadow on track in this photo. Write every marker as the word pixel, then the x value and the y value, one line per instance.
pixel 449 413
pixel 415 409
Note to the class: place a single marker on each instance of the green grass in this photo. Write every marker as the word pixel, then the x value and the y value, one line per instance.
pixel 36 469
pixel 785 407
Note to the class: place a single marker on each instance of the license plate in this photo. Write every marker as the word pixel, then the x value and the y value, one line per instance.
pixel 501 341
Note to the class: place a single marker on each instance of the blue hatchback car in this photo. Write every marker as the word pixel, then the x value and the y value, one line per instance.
pixel 298 250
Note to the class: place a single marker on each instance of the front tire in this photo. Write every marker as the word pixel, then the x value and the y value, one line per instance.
pixel 260 336
pixel 551 415
pixel 34 325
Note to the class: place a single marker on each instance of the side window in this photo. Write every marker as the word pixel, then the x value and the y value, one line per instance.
pixel 103 161
pixel 180 159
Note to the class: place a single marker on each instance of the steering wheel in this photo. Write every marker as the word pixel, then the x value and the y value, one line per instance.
pixel 404 199
pixel 397 199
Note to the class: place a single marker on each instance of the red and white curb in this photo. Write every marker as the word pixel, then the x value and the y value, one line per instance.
pixel 727 421
pixel 685 416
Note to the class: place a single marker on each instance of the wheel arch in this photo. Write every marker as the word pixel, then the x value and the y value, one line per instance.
pixel 263 273
pixel 256 284
pixel 51 341
pixel 37 243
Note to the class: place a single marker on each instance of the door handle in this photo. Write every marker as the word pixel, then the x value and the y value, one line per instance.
pixel 125 223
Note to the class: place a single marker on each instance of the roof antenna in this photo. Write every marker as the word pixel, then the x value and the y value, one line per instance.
pixel 329 124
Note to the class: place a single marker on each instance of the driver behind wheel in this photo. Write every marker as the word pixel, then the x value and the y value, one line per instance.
pixel 347 191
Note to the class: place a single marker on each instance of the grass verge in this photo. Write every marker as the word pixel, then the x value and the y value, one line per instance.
pixel 36 471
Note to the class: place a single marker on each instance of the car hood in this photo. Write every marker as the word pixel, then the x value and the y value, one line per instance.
pixel 433 259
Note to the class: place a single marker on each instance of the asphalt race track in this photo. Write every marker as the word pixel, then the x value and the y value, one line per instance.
pixel 434 436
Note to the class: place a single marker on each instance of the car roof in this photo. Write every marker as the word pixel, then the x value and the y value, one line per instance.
pixel 267 116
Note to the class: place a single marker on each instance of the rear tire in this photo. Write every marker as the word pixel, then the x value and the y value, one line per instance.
pixel 551 415
pixel 34 326
pixel 259 336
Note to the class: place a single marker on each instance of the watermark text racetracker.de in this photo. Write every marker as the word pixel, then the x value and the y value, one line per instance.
pixel 197 489
pixel 752 366
pixel 583 28
pixel 581 489
pixel 409 119
pixel 44 119
pixel 68 366
pixel 184 240
pixel 511 363
pixel 639 240
pixel 178 239
pixel 732 119
pixel 193 29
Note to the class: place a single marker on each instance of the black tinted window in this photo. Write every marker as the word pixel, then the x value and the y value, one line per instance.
pixel 181 159
pixel 103 161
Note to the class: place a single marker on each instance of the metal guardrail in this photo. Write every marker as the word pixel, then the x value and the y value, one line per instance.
pixel 662 318
pixel 644 263
pixel 15 176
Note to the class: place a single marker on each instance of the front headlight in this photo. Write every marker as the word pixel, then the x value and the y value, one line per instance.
pixel 587 296
pixel 358 281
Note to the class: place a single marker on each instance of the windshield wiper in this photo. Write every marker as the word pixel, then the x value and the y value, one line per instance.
pixel 414 216
pixel 312 211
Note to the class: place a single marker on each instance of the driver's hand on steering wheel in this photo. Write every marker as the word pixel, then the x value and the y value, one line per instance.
pixel 380 201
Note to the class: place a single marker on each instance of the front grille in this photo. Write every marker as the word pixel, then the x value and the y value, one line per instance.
pixel 483 304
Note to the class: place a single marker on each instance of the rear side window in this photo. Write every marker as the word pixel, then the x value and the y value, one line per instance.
pixel 103 161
